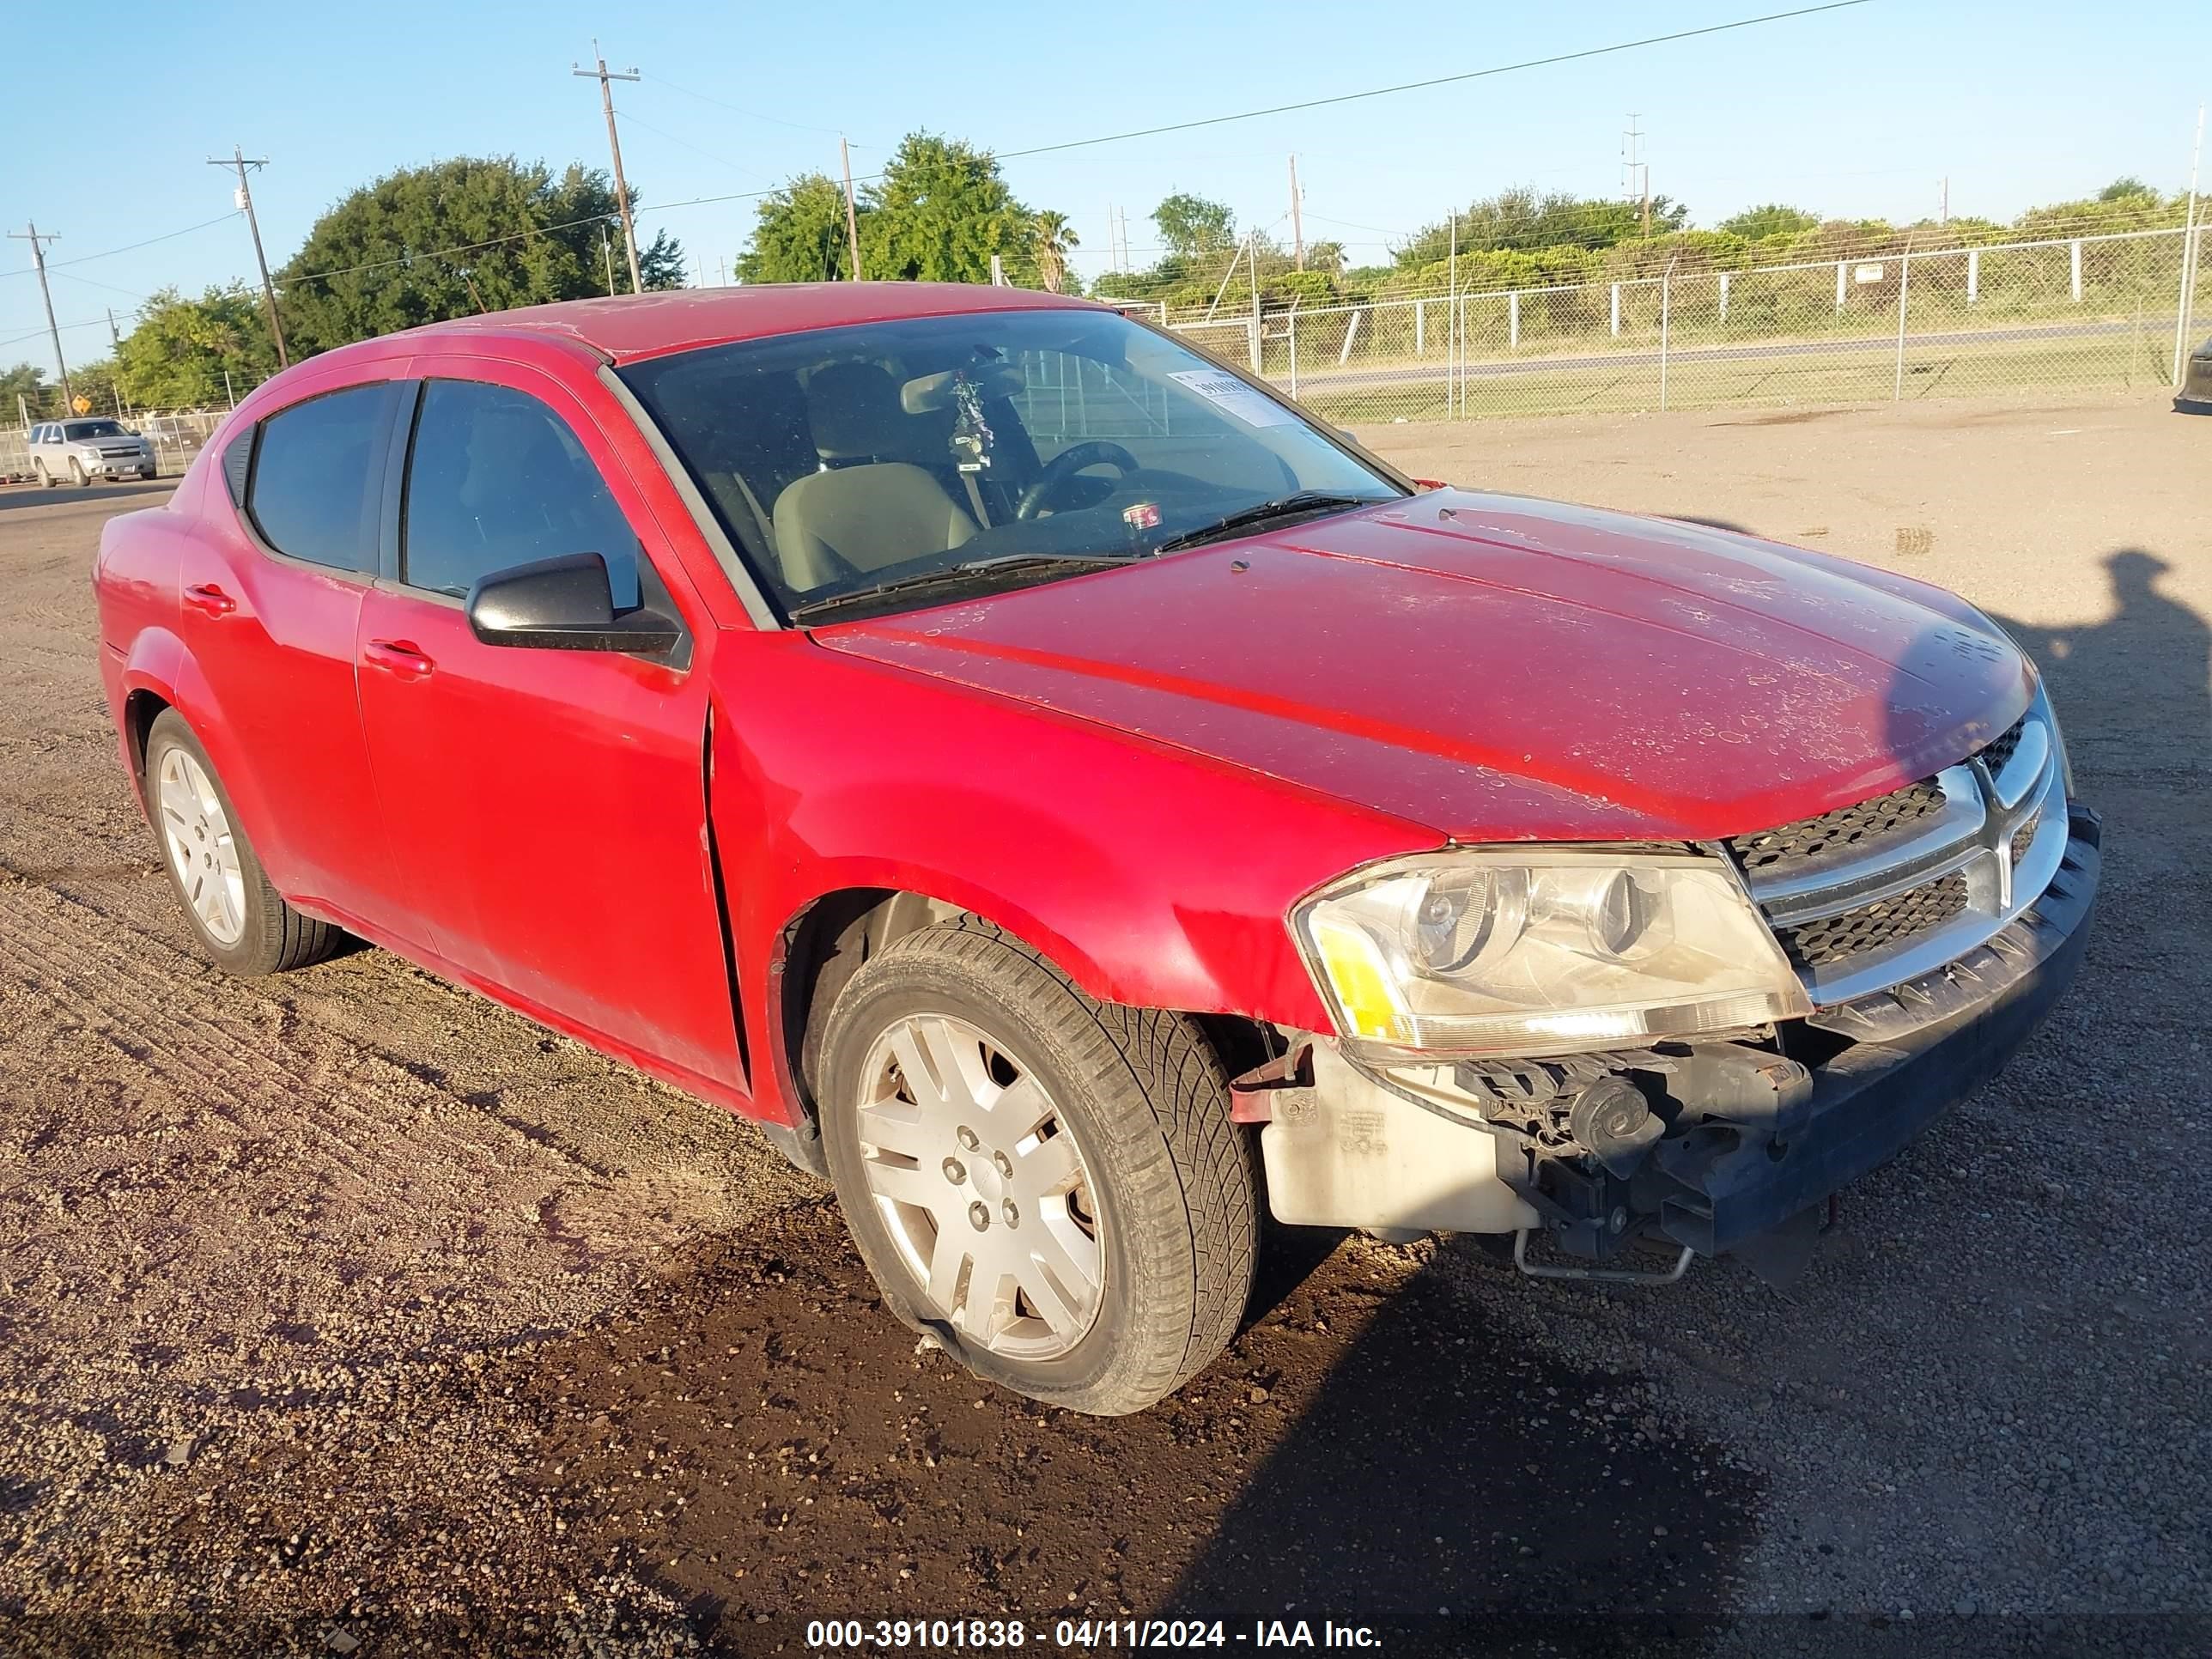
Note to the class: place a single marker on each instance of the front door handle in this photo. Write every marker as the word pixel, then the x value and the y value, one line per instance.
pixel 207 597
pixel 400 658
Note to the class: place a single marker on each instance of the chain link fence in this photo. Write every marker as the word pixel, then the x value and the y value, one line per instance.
pixel 2084 315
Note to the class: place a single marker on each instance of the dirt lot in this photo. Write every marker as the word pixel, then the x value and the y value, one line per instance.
pixel 347 1308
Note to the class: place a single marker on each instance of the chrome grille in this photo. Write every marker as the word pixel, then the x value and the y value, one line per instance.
pixel 1845 828
pixel 1878 891
pixel 1880 926
pixel 2001 748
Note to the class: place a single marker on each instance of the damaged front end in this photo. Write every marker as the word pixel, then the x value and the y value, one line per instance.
pixel 1928 931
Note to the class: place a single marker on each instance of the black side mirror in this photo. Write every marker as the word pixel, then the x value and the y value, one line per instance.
pixel 564 604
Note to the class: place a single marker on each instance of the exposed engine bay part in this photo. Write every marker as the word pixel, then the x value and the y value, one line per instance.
pixel 1344 1152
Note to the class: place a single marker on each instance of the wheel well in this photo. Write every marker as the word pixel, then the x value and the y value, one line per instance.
pixel 140 710
pixel 827 943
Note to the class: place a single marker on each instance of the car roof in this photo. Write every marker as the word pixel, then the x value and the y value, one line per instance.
pixel 627 328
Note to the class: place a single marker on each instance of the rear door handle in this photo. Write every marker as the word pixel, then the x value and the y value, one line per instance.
pixel 206 596
pixel 397 657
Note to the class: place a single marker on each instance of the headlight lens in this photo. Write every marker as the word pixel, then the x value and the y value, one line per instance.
pixel 1537 951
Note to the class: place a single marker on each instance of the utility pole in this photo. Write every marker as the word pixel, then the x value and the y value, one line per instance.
pixel 238 163
pixel 1635 171
pixel 852 214
pixel 1943 201
pixel 115 338
pixel 607 250
pixel 54 332
pixel 1297 223
pixel 605 78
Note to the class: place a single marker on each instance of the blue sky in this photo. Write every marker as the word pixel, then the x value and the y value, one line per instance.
pixel 1854 112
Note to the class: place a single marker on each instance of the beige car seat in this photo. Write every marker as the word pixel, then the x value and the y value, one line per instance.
pixel 873 506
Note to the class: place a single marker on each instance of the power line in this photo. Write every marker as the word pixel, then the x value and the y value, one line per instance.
pixel 128 247
pixel 749 114
pixel 1437 80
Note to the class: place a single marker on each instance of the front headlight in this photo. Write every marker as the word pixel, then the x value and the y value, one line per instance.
pixel 1530 950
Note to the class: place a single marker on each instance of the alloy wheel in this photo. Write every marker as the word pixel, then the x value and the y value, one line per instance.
pixel 203 849
pixel 979 1180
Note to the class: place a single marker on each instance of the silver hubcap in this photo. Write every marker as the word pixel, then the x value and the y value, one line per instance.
pixel 203 851
pixel 982 1187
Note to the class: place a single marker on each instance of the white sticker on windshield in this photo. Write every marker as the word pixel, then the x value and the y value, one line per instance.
pixel 1232 397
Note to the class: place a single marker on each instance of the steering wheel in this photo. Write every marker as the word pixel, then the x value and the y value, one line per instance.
pixel 1065 466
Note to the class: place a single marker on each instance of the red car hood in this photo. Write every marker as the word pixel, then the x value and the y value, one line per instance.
pixel 1496 668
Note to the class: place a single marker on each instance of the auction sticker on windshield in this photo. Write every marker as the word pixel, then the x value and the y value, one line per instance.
pixel 1232 397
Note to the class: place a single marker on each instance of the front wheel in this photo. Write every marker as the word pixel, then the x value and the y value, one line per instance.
pixel 78 474
pixel 1049 1185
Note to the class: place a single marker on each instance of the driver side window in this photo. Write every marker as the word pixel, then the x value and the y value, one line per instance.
pixel 494 479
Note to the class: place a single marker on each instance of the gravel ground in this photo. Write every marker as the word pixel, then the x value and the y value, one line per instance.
pixel 349 1310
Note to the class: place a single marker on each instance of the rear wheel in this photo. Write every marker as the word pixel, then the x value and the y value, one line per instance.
pixel 240 920
pixel 1049 1185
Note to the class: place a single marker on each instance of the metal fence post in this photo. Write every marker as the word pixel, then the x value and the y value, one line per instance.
pixel 1616 310
pixel 1973 274
pixel 1724 276
pixel 2074 261
pixel 1513 320
pixel 1904 288
pixel 1666 305
pixel 1839 288
pixel 1420 328
pixel 2188 257
pixel 1294 351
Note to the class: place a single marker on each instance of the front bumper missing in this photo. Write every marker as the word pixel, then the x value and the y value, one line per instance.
pixel 1915 1050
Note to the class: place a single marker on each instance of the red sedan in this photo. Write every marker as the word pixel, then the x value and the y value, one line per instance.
pixel 1071 800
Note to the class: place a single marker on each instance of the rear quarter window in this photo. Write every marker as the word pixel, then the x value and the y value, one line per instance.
pixel 317 478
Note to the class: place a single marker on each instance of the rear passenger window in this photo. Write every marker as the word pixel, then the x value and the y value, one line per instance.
pixel 497 479
pixel 312 494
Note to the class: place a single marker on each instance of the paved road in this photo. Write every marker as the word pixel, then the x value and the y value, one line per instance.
pixel 1350 379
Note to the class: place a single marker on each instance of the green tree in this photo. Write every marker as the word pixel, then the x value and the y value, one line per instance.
pixel 27 381
pixel 1192 226
pixel 425 244
pixel 1771 219
pixel 938 213
pixel 177 355
pixel 97 384
pixel 799 235
pixel 1520 220
pixel 1053 236
pixel 2125 187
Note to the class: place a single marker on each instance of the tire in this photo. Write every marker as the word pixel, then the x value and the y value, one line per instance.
pixel 46 480
pixel 269 937
pixel 1167 1180
pixel 78 474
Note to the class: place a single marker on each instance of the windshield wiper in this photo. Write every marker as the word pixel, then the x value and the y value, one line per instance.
pixel 968 571
pixel 1285 506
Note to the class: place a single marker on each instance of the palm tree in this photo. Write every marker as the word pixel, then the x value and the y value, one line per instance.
pixel 1054 237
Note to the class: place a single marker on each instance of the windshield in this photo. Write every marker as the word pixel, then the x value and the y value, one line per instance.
pixel 95 429
pixel 879 456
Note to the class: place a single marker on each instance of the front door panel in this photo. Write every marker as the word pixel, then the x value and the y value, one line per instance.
pixel 545 810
